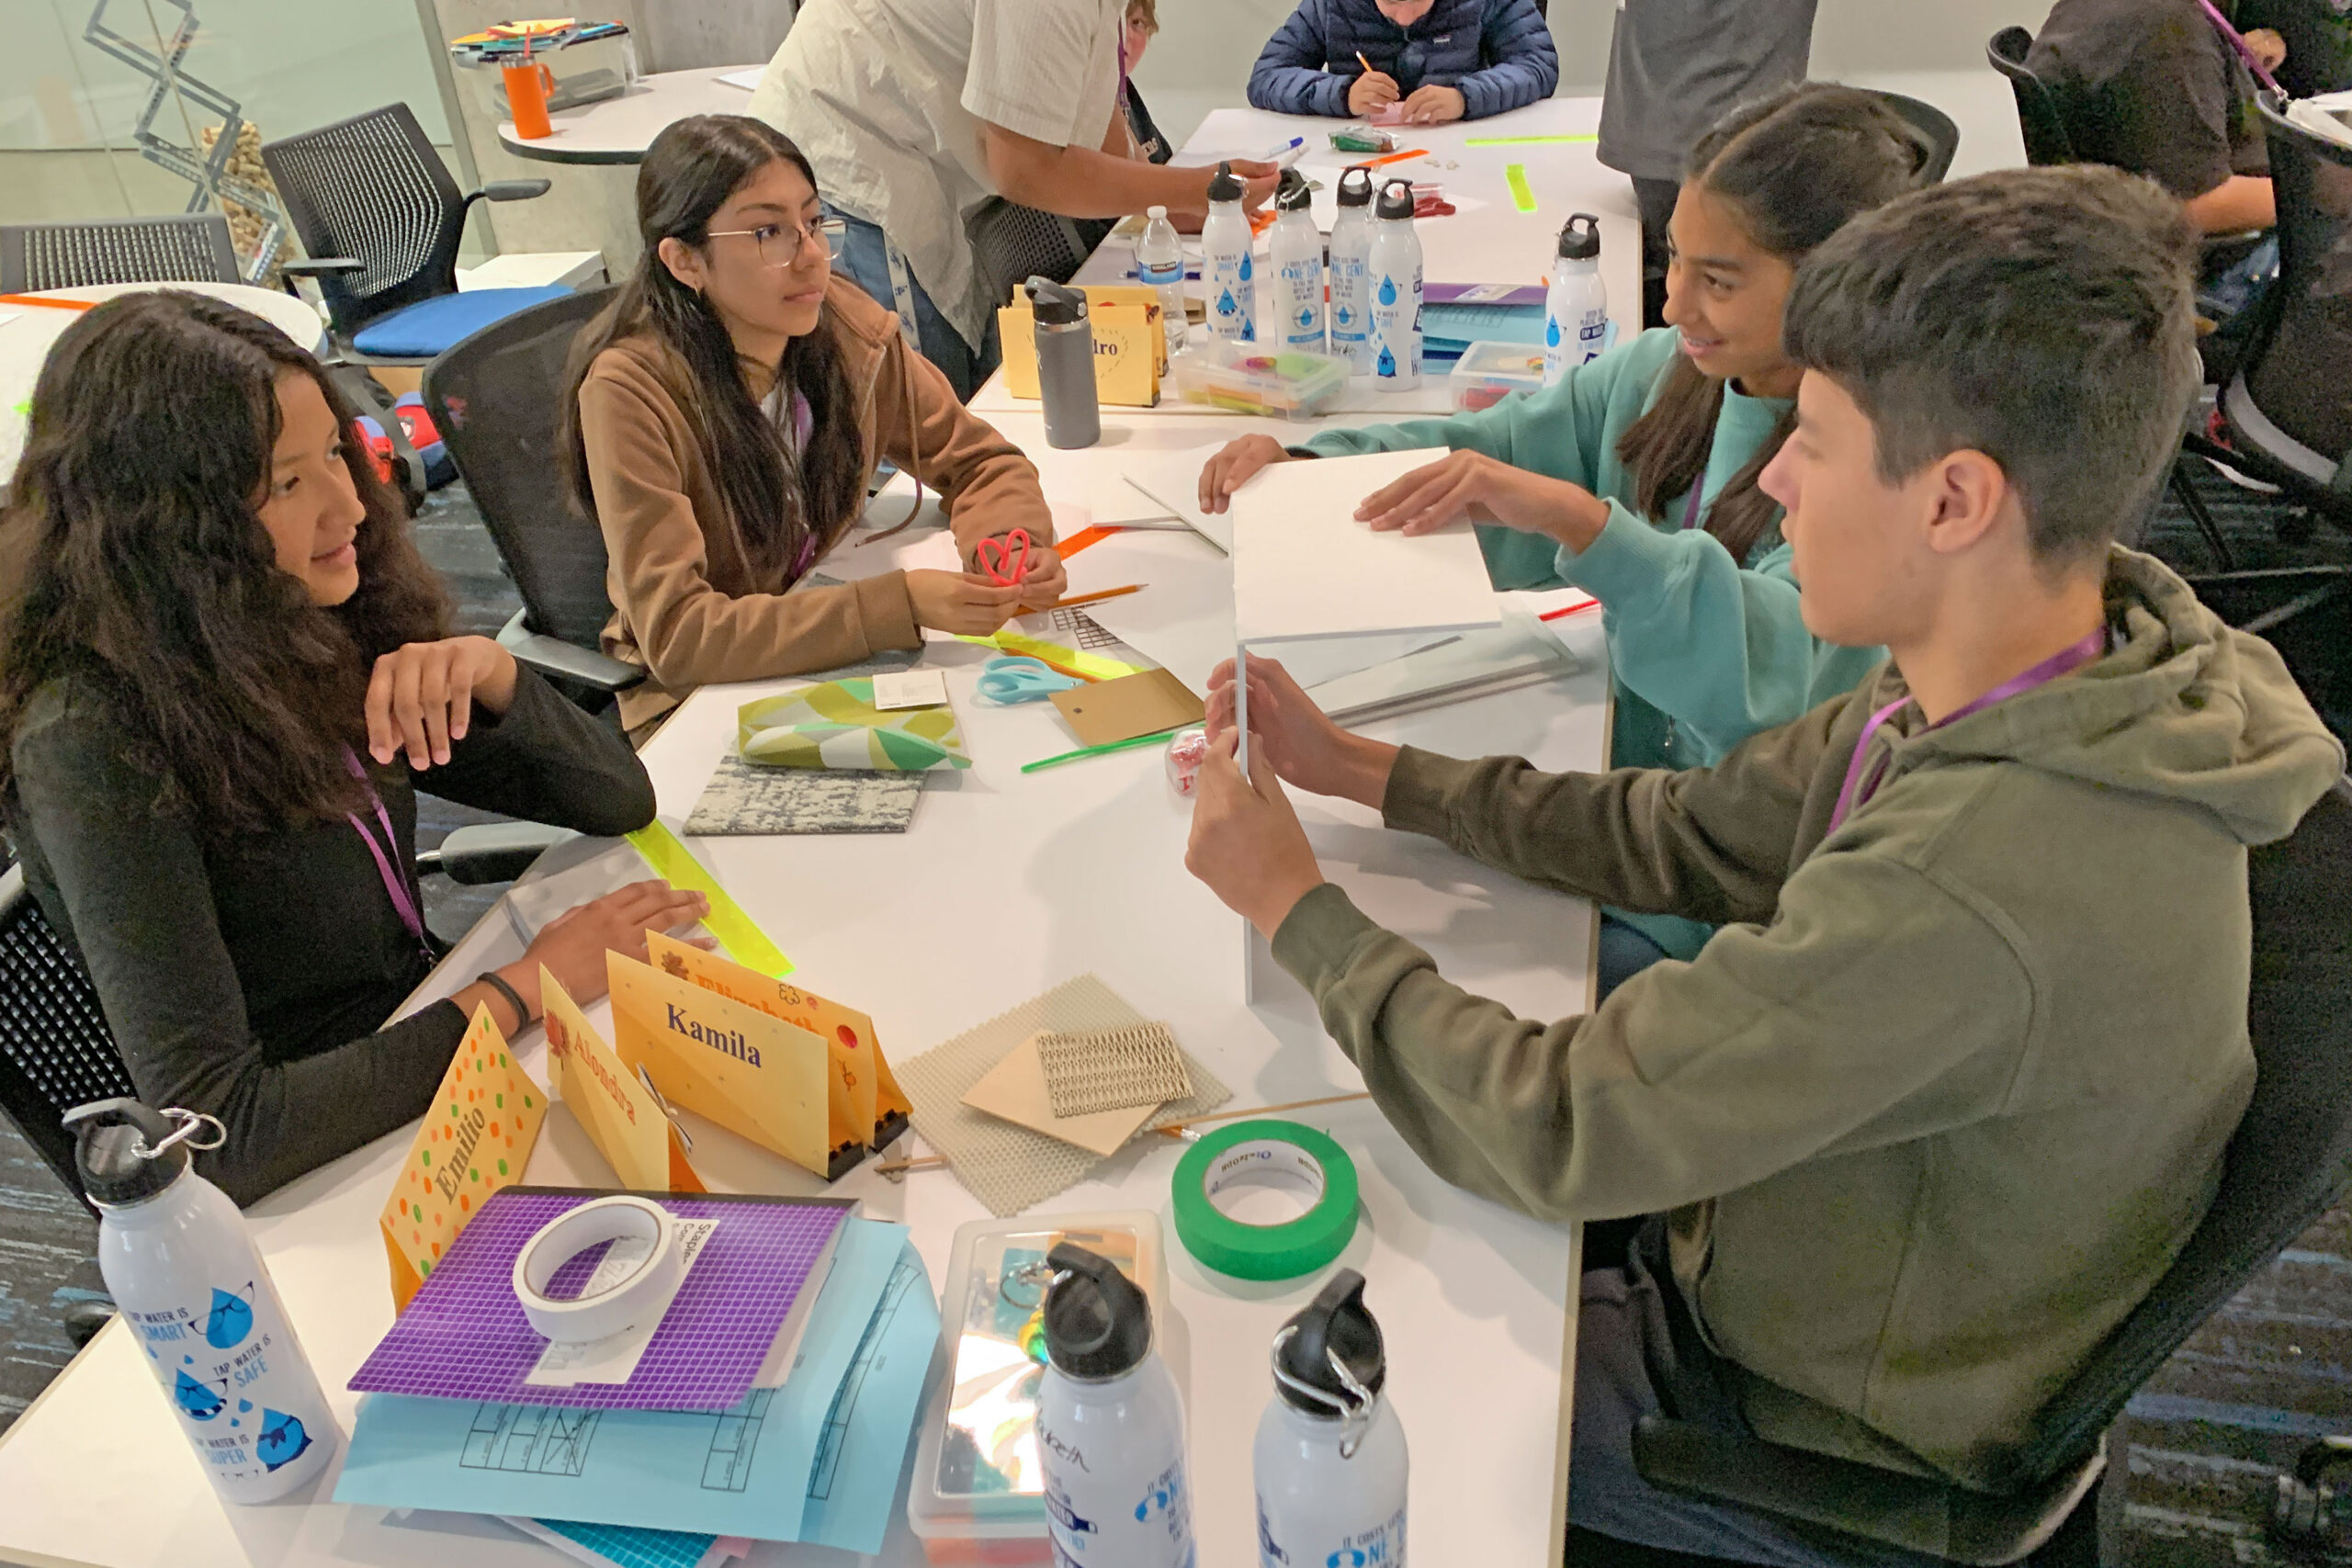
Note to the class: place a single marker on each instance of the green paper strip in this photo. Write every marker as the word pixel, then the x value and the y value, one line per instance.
pixel 736 931
pixel 1288 1149
pixel 1523 140
pixel 1085 752
pixel 1521 196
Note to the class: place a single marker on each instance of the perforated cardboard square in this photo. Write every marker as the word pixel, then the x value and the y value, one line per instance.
pixel 1113 1069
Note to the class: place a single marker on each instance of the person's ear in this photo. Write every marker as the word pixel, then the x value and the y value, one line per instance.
pixel 683 260
pixel 1968 494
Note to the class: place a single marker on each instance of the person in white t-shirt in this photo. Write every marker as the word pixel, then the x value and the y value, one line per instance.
pixel 915 112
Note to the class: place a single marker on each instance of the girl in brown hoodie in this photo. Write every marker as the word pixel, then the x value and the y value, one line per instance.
pixel 726 416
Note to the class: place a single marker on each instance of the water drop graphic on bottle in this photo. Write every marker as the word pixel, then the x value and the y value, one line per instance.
pixel 1388 291
pixel 282 1439
pixel 1225 306
pixel 1387 361
pixel 1244 274
pixel 1306 317
pixel 1343 317
pixel 230 1320
pixel 1551 333
pixel 199 1400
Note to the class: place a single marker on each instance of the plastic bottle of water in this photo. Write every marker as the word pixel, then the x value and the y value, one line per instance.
pixel 1298 266
pixel 1226 270
pixel 1395 273
pixel 1329 1460
pixel 188 1282
pixel 1575 310
pixel 1110 1425
pixel 1351 272
pixel 1160 264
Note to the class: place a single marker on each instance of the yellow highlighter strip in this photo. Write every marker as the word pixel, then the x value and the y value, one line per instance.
pixel 737 931
pixel 1515 175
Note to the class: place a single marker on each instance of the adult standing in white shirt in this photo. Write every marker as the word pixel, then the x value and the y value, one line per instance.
pixel 915 112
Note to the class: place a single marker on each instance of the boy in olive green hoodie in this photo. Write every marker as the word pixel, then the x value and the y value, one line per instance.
pixel 1951 1089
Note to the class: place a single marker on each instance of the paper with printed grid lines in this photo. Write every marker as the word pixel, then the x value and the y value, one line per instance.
pixel 464 1334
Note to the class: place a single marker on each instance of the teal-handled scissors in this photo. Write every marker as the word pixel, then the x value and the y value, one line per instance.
pixel 1020 679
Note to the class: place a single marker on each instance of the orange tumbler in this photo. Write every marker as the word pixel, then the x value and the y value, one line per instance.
pixel 527 87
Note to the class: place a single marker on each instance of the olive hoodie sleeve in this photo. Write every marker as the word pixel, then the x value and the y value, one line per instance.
pixel 1875 1005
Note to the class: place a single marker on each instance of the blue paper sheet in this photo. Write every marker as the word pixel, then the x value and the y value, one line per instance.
pixel 746 1470
pixel 623 1546
pixel 855 1486
pixel 1483 323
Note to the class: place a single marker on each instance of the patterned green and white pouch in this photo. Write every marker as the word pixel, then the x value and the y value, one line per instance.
pixel 836 725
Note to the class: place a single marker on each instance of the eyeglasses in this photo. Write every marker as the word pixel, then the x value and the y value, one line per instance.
pixel 781 243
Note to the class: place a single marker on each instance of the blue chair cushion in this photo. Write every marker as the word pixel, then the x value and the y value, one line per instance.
pixel 424 329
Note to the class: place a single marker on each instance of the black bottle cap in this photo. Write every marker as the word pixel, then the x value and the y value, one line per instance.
pixel 1580 237
pixel 1098 1324
pixel 1224 185
pixel 1355 185
pixel 1056 304
pixel 108 1135
pixel 1395 200
pixel 1291 193
pixel 1336 1322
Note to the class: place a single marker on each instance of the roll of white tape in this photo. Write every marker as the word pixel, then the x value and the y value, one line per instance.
pixel 645 1288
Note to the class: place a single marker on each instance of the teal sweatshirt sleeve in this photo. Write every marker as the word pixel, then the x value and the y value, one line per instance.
pixel 1724 650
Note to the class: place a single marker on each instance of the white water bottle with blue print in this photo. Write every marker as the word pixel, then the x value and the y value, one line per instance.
pixel 1228 274
pixel 1395 272
pixel 1576 308
pixel 190 1286
pixel 1351 273
pixel 1297 247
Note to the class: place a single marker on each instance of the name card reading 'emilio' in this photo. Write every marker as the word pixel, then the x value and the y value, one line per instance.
pixel 776 1081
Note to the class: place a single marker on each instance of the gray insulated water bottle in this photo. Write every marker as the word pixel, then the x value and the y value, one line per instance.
pixel 1065 363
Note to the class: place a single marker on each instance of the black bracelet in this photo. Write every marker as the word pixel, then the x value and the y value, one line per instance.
pixel 496 982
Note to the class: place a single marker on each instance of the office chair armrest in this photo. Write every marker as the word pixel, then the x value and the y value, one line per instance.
pixel 321 267
pixel 566 661
pixel 1917 1513
pixel 510 190
pixel 491 851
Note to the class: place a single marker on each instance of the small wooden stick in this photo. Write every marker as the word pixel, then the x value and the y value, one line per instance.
pixel 1176 1129
pixel 899 1168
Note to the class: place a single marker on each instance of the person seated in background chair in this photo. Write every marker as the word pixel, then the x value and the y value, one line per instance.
pixel 1143 135
pixel 1634 476
pixel 1949 1091
pixel 725 418
pixel 1436 60
pixel 224 670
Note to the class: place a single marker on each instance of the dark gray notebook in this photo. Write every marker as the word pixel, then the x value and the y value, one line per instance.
pixel 745 800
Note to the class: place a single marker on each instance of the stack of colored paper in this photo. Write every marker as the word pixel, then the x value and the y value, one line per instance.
pixel 772 1400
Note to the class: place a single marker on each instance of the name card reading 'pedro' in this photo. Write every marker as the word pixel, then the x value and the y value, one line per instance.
pixel 618 1110
pixel 753 1074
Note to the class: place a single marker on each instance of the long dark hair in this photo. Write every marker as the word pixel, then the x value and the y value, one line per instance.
pixel 688 173
pixel 1792 167
pixel 134 550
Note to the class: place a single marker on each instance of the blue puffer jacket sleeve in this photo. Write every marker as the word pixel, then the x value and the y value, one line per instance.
pixel 1289 77
pixel 1526 66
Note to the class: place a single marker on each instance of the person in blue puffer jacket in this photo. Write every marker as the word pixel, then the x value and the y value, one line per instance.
pixel 1440 59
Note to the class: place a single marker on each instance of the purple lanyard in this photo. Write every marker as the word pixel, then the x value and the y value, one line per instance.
pixel 1857 791
pixel 394 884
pixel 1690 512
pixel 2245 51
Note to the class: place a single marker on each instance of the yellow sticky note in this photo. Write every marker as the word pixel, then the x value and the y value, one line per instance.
pixel 620 1114
pixel 751 1074
pixel 475 1139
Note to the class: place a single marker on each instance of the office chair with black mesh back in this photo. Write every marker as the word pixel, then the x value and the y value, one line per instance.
pixel 1012 244
pixel 1941 131
pixel 497 399
pixel 2046 139
pixel 2290 1160
pixel 381 220
pixel 190 248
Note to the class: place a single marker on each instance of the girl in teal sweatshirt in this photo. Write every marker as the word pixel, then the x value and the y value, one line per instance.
pixel 1634 477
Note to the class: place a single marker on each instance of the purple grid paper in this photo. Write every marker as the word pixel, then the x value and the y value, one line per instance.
pixel 464 1334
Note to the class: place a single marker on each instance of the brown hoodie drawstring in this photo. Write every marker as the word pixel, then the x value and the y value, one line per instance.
pixel 914 443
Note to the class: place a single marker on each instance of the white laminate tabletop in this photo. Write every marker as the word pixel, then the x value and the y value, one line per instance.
pixel 620 130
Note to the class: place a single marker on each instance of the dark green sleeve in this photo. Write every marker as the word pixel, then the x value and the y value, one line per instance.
pixel 545 760
pixel 140 904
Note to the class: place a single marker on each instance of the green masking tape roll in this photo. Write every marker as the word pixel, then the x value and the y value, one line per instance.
pixel 1250 1149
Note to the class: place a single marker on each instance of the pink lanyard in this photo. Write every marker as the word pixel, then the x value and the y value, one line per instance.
pixel 2245 51
pixel 1690 512
pixel 1857 791
pixel 394 884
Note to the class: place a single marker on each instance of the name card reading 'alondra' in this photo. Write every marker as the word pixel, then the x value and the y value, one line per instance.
pixel 620 1109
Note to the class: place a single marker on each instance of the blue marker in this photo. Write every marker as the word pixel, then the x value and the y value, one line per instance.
pixel 1284 153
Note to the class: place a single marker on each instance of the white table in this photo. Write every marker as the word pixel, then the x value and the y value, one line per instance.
pixel 620 130
pixel 1490 242
pixel 28 332
pixel 1006 886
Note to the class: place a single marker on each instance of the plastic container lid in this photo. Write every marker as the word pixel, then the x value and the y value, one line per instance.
pixel 1255 378
pixel 1580 243
pixel 1488 372
pixel 1291 193
pixel 1395 200
pixel 110 1138
pixel 1224 186
pixel 1355 186
pixel 1055 304
pixel 976 1495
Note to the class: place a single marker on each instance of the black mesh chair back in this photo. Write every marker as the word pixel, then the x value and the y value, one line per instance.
pixel 2046 139
pixel 497 396
pixel 2298 363
pixel 193 248
pixel 1012 244
pixel 1939 128
pixel 373 188
pixel 55 1050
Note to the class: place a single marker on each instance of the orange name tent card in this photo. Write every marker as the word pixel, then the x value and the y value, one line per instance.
pixel 623 1117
